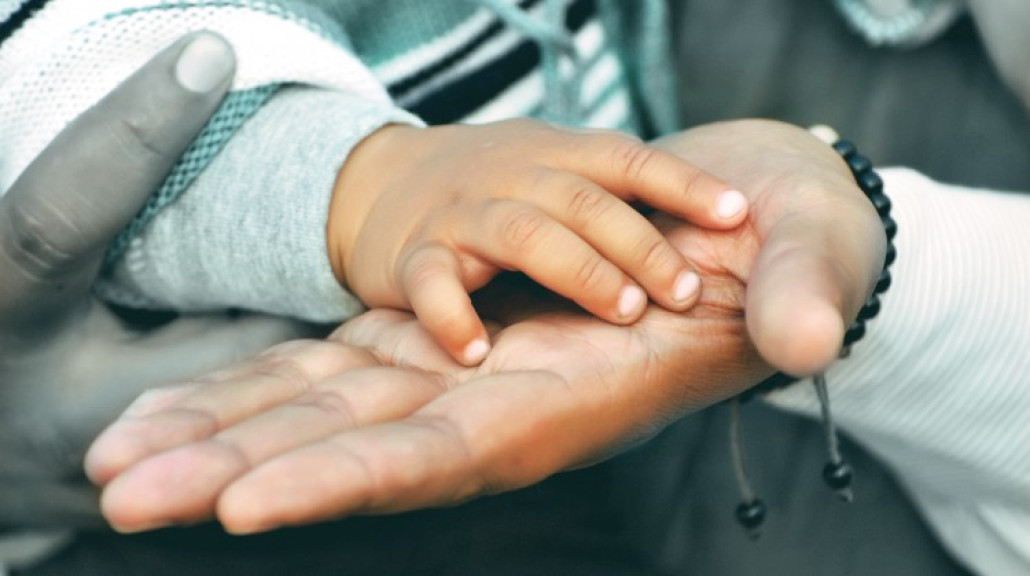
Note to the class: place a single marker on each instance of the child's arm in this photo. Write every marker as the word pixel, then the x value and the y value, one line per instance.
pixel 422 216
pixel 250 231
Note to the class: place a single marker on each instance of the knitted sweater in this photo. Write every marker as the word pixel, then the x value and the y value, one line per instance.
pixel 314 78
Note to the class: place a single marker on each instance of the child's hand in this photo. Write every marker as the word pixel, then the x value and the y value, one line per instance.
pixel 422 216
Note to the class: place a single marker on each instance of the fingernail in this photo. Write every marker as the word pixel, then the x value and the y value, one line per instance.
pixel 137 528
pixel 687 284
pixel 475 352
pixel 204 64
pixel 631 299
pixel 730 203
pixel 250 529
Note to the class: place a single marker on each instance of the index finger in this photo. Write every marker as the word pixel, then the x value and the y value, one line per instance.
pixel 61 213
pixel 635 170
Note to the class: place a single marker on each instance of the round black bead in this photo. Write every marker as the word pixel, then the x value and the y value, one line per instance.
pixel 870 183
pixel 891 254
pixel 854 333
pixel 880 201
pixel 751 514
pixel 859 164
pixel 838 475
pixel 883 282
pixel 845 148
pixel 890 227
pixel 870 309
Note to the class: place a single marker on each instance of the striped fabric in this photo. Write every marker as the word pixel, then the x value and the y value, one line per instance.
pixel 485 71
pixel 479 69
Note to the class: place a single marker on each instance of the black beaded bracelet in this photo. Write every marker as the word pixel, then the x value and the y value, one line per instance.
pixel 837 473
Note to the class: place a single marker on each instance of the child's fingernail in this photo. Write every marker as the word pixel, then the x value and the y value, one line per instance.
pixel 686 286
pixel 141 527
pixel 730 203
pixel 475 352
pixel 204 64
pixel 631 299
pixel 249 529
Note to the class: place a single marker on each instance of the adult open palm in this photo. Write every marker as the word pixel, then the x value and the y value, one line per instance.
pixel 378 419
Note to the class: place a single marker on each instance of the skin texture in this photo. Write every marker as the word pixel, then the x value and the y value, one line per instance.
pixel 458 204
pixel 68 365
pixel 379 418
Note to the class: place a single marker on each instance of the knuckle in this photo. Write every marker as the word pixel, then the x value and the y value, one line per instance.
pixel 523 229
pixel 422 268
pixel 42 240
pixel 632 158
pixel 307 356
pixel 656 253
pixel 588 204
pixel 691 181
pixel 133 139
pixel 290 371
pixel 467 459
pixel 590 275
pixel 333 405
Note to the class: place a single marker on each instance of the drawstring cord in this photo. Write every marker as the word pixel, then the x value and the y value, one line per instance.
pixel 751 511
pixel 837 474
pixel 562 102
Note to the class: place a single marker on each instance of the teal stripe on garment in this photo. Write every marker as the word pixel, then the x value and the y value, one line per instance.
pixel 234 111
pixel 887 29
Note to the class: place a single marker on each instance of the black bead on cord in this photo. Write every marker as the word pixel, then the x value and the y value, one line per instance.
pixel 837 474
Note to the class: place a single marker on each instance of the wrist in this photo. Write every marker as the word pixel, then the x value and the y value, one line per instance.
pixel 358 184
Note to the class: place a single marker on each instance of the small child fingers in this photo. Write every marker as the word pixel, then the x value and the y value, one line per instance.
pixel 635 170
pixel 431 279
pixel 622 235
pixel 520 236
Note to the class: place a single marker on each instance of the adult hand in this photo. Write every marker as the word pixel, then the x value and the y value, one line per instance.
pixel 68 365
pixel 379 419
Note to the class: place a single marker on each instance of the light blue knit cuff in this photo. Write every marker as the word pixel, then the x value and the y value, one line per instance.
pixel 909 24
pixel 235 110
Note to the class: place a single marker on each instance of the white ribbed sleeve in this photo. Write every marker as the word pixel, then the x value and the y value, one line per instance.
pixel 939 388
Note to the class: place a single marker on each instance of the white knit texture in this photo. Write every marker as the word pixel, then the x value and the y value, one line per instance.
pixel 8 7
pixel 73 52
pixel 939 388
